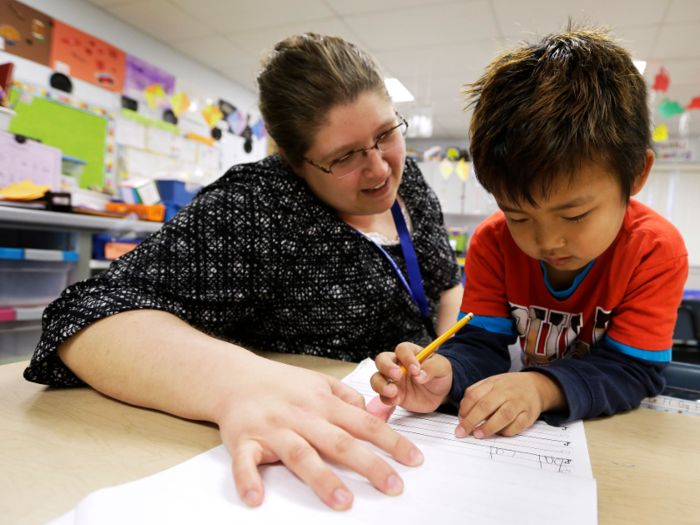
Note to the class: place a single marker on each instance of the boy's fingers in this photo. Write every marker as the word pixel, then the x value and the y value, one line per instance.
pixel 385 362
pixel 504 416
pixel 406 354
pixel 378 382
pixel 521 422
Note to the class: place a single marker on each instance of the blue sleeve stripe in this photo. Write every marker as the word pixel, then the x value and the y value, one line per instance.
pixel 498 325
pixel 661 356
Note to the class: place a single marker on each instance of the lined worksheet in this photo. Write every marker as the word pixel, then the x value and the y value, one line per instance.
pixel 459 482
pixel 560 449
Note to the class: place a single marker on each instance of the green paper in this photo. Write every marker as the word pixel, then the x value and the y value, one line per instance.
pixel 75 132
pixel 145 121
pixel 667 108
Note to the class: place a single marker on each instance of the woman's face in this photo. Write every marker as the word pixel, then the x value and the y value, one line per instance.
pixel 356 126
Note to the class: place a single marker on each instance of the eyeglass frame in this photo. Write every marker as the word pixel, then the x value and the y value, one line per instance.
pixel 363 151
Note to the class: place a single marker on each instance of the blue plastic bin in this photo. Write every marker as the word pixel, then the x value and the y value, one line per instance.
pixel 174 191
pixel 171 208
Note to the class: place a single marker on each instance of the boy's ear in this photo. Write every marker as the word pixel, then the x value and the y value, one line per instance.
pixel 642 178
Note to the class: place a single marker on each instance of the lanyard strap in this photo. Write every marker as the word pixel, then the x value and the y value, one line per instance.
pixel 415 288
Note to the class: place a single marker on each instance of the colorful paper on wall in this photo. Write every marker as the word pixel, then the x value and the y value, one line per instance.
pixel 179 103
pixel 259 129
pixel 694 104
pixel 462 169
pixel 446 169
pixel 660 133
pixel 140 81
pixel 667 108
pixel 80 55
pixel 155 96
pixel 661 81
pixel 25 31
pixel 237 122
pixel 212 114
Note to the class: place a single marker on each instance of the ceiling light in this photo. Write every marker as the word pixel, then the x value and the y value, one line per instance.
pixel 641 65
pixel 397 91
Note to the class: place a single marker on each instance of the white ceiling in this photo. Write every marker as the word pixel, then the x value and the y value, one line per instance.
pixel 432 46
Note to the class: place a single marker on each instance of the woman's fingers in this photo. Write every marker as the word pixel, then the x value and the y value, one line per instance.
pixel 368 427
pixel 346 393
pixel 341 447
pixel 247 455
pixel 303 459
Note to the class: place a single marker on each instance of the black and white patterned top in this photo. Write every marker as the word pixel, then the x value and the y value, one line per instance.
pixel 256 259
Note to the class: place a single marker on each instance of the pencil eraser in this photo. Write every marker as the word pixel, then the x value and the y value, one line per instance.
pixel 379 409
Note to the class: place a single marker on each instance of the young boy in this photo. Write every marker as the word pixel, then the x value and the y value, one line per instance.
pixel 587 281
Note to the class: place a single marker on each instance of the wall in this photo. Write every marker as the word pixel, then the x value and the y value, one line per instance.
pixel 93 20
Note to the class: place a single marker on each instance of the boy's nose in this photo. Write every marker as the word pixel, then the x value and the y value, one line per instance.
pixel 549 242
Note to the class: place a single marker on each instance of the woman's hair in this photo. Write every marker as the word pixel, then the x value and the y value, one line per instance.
pixel 543 110
pixel 302 79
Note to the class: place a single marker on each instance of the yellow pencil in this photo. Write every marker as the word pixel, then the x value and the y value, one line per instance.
pixel 436 344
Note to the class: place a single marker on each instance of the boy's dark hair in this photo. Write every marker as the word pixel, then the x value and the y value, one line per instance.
pixel 543 110
pixel 303 78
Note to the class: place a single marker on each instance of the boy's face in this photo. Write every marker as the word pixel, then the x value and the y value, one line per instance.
pixel 576 224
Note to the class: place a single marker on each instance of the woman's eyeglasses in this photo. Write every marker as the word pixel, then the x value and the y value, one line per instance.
pixel 355 160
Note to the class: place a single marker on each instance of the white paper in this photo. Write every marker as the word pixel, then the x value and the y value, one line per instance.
pixel 159 141
pixel 559 449
pixel 130 133
pixel 449 487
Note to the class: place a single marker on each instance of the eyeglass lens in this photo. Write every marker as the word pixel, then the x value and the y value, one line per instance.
pixel 355 160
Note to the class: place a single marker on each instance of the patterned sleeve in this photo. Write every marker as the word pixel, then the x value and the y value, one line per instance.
pixel 201 266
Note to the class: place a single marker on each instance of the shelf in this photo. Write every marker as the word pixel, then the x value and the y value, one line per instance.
pixel 70 221
pixel 99 265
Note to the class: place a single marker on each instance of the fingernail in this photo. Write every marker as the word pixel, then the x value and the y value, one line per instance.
pixel 416 457
pixel 414 369
pixel 460 432
pixel 395 485
pixel 395 374
pixel 251 497
pixel 478 433
pixel 388 391
pixel 341 497
pixel 422 376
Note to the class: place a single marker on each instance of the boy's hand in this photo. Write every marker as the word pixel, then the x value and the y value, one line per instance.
pixel 424 387
pixel 509 402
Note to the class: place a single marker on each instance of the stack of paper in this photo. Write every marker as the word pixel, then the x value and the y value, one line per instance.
pixel 539 477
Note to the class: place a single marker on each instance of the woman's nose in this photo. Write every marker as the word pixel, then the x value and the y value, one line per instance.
pixel 375 164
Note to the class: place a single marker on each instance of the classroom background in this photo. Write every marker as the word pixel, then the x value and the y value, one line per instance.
pixel 117 111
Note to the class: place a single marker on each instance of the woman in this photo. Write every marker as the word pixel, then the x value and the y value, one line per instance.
pixel 279 256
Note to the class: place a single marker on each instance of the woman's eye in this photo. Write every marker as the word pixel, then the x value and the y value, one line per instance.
pixel 342 161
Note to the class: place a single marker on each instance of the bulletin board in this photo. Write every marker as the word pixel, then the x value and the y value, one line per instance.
pixel 77 133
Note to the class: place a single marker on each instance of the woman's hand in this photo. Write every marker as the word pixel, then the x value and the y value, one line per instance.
pixel 509 403
pixel 424 387
pixel 294 415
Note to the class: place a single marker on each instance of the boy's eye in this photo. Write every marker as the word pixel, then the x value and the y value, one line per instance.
pixel 578 217
pixel 516 221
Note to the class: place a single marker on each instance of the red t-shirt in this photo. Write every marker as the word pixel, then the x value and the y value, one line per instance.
pixel 628 298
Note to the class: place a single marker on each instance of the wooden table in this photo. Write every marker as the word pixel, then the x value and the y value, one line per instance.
pixel 58 445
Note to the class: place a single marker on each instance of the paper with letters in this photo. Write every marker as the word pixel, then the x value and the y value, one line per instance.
pixel 559 449
pixel 450 487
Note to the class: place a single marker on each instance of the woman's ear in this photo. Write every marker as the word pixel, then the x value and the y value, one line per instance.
pixel 642 178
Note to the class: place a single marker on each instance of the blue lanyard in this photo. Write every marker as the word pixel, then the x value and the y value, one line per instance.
pixel 415 288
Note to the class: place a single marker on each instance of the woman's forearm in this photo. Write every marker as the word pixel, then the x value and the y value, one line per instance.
pixel 153 359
